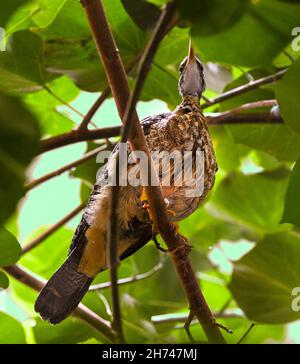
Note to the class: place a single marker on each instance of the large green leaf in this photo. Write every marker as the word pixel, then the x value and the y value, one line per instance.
pixel 143 13
pixel 19 137
pixel 263 280
pixel 255 201
pixel 269 21
pixel 211 16
pixel 22 65
pixel 291 212
pixel 70 49
pixel 45 105
pixel 7 8
pixel 11 331
pixel 4 282
pixel 288 93
pixel 46 258
pixel 35 13
pixel 276 139
pixel 162 83
pixel 10 249
pixel 71 331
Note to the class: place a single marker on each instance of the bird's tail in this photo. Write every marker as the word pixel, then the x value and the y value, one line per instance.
pixel 63 292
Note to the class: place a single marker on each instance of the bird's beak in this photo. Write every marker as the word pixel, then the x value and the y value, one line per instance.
pixel 191 55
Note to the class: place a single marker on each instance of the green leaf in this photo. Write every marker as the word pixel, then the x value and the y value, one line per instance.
pixel 45 106
pixel 7 8
pixel 22 65
pixel 10 249
pixel 211 16
pixel 288 93
pixel 11 331
pixel 228 153
pixel 70 49
pixel 19 138
pixel 277 140
pixel 270 21
pixel 144 14
pixel 35 13
pixel 255 201
pixel 70 331
pixel 162 84
pixel 291 212
pixel 88 170
pixel 263 279
pixel 46 258
pixel 4 281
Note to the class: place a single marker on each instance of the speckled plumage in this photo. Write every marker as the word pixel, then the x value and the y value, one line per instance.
pixel 184 129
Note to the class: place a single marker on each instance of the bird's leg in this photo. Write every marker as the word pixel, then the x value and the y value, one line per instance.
pixel 145 205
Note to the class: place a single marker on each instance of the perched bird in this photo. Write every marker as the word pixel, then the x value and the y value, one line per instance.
pixel 184 129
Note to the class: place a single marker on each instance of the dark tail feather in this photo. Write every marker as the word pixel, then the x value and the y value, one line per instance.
pixel 62 293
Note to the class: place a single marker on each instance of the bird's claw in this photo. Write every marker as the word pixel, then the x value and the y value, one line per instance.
pixel 157 244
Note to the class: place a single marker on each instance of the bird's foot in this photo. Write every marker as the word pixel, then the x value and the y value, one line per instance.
pixel 145 205
pixel 157 244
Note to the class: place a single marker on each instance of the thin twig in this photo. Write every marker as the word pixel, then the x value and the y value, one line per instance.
pixel 245 88
pixel 245 107
pixel 171 318
pixel 101 325
pixel 92 111
pixel 135 278
pixel 52 229
pixel 246 333
pixel 88 156
pixel 59 99
pixel 119 85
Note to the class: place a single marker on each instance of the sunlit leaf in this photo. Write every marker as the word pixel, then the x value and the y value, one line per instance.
pixel 291 212
pixel 288 94
pixel 19 137
pixel 255 201
pixel 10 250
pixel 22 66
pixel 11 330
pixel 264 279
pixel 4 282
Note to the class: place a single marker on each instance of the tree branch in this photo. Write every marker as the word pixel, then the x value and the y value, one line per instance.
pixel 245 118
pixel 181 318
pixel 52 229
pixel 76 136
pixel 120 90
pixel 82 312
pixel 135 278
pixel 245 88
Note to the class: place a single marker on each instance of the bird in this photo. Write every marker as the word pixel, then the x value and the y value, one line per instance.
pixel 184 129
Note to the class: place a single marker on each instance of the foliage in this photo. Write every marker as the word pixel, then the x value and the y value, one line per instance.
pixel 246 243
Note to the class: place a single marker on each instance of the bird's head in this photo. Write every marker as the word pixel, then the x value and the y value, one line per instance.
pixel 191 81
